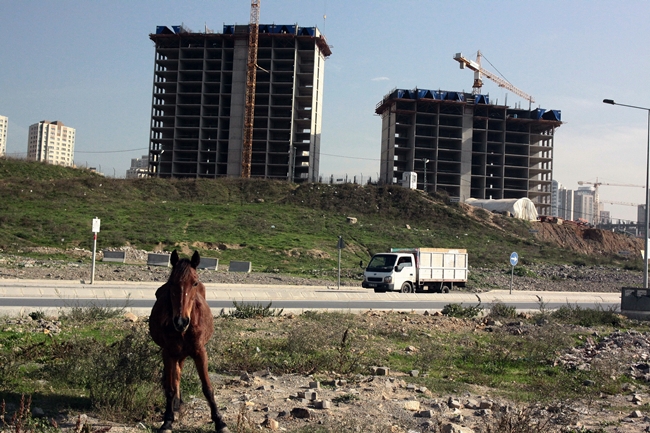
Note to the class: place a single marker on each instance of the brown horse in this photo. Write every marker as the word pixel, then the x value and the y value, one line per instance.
pixel 181 324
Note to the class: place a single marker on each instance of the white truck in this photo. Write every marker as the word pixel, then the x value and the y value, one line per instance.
pixel 408 270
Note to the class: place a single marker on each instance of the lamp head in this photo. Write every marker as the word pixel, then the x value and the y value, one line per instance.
pixel 609 101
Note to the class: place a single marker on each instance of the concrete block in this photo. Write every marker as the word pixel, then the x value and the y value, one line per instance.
pixel 382 371
pixel 114 256
pixel 158 259
pixel 208 263
pixel 323 404
pixel 240 266
pixel 314 385
pixel 413 405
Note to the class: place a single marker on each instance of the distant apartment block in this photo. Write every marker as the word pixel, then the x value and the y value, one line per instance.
pixel 583 204
pixel 461 144
pixel 561 201
pixel 4 125
pixel 51 142
pixel 199 89
pixel 139 168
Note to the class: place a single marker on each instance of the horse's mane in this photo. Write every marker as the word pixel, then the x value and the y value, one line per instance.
pixel 181 271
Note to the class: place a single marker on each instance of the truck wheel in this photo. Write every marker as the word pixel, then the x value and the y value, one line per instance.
pixel 407 288
pixel 444 289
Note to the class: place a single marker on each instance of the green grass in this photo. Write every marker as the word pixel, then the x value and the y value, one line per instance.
pixel 113 369
pixel 280 227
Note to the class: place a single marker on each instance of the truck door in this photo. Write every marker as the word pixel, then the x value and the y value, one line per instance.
pixel 405 272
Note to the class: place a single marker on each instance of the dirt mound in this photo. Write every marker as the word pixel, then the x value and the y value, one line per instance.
pixel 587 240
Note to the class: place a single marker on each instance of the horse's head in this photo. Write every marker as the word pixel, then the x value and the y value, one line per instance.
pixel 184 284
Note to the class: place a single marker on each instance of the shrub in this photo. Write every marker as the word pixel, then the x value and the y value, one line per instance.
pixel 93 311
pixel 457 310
pixel 499 309
pixel 577 315
pixel 125 377
pixel 250 311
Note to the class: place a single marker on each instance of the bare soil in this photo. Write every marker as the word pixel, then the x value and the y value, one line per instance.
pixel 389 401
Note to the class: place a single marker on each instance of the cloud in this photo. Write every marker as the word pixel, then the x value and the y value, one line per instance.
pixel 380 79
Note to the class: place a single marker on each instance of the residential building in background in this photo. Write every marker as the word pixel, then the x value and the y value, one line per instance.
pixel 604 217
pixel 199 89
pixel 561 201
pixel 583 204
pixel 51 142
pixel 4 125
pixel 139 168
pixel 463 145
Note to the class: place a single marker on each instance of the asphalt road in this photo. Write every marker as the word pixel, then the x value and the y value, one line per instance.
pixel 24 296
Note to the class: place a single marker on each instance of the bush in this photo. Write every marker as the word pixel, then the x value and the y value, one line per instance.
pixel 598 316
pixel 93 311
pixel 250 311
pixel 457 310
pixel 499 309
pixel 125 377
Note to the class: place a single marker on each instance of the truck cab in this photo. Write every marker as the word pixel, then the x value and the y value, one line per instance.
pixel 389 272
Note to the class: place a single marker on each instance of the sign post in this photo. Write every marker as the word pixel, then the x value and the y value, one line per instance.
pixel 95 229
pixel 340 245
pixel 514 259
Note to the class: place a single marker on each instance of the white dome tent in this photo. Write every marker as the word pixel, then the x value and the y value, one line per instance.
pixel 522 208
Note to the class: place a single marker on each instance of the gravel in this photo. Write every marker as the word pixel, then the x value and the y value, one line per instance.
pixel 566 278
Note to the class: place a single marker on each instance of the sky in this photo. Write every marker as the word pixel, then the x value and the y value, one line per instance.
pixel 90 65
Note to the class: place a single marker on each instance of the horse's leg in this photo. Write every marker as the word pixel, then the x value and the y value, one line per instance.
pixel 170 384
pixel 201 361
pixel 178 399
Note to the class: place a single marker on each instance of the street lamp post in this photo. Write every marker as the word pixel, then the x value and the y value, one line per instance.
pixel 647 190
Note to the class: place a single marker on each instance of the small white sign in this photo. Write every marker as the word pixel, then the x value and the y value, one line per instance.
pixel 96 222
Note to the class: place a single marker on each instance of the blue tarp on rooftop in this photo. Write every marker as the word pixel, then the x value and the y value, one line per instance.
pixel 163 30
pixel 553 115
pixel 307 31
pixel 426 94
pixel 537 113
pixel 481 99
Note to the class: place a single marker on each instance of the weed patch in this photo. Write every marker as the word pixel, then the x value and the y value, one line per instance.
pixel 250 311
pixel 457 310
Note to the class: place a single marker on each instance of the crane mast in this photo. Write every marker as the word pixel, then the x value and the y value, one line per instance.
pixel 479 71
pixel 251 79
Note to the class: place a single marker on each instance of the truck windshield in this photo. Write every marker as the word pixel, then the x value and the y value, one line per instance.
pixel 382 262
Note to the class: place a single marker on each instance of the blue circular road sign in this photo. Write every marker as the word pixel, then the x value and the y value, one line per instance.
pixel 514 259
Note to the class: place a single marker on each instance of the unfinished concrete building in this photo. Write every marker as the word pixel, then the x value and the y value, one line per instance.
pixel 198 102
pixel 471 148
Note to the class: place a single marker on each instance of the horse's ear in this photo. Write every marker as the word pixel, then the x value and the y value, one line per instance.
pixel 174 258
pixel 196 259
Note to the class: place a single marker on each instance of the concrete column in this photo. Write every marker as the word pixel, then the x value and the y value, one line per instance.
pixel 237 107
pixel 466 153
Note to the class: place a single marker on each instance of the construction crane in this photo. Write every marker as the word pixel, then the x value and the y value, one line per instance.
pixel 597 184
pixel 597 200
pixel 480 71
pixel 622 203
pixel 251 79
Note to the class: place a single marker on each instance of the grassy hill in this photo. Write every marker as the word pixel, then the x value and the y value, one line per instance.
pixel 277 225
